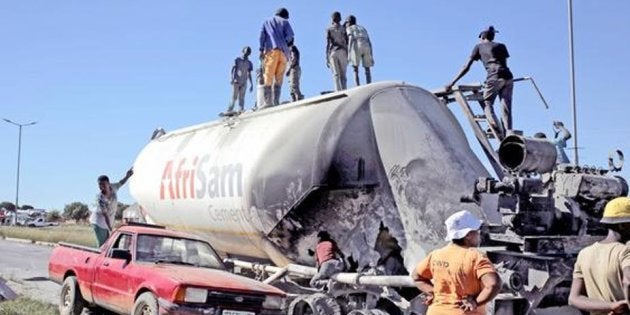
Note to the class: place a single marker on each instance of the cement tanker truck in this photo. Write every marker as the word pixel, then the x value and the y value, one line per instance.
pixel 380 167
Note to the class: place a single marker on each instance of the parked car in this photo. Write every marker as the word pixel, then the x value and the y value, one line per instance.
pixel 145 270
pixel 40 222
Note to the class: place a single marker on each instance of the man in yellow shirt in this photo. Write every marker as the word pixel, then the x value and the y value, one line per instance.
pixel 601 277
pixel 458 278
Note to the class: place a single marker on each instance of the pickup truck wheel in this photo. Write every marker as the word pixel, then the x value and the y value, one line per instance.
pixel 146 304
pixel 71 301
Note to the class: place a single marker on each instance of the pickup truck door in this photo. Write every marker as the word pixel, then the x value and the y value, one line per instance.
pixel 113 285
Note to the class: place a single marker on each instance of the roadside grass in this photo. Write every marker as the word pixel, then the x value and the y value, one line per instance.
pixel 22 306
pixel 70 233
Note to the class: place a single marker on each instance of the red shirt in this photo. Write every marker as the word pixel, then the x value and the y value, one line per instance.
pixel 325 251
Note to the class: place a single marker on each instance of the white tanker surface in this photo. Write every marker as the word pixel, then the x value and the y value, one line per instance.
pixel 379 166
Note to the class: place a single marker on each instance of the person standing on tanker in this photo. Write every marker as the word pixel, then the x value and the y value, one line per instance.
pixel 275 35
pixel 102 218
pixel 328 257
pixel 294 72
pixel 458 278
pixel 241 72
pixel 337 52
pixel 498 81
pixel 359 49
pixel 601 276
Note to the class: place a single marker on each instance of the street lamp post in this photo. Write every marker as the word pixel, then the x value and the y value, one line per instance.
pixel 17 181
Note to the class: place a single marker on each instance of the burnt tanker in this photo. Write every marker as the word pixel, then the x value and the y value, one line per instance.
pixel 379 166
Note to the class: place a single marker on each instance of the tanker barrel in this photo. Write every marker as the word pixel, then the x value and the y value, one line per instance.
pixel 521 154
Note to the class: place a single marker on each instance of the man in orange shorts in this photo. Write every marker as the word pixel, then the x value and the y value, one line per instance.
pixel 275 36
pixel 458 278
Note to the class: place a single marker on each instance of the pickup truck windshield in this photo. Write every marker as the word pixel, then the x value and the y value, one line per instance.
pixel 181 251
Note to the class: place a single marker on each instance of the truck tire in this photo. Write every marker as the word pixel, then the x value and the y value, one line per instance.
pixel 146 304
pixel 71 301
pixel 314 304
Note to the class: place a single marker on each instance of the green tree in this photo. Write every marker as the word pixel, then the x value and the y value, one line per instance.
pixel 77 211
pixel 53 216
pixel 7 205
pixel 27 207
pixel 119 211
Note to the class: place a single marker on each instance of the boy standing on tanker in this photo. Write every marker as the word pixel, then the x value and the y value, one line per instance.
pixel 294 73
pixel 241 72
pixel 359 49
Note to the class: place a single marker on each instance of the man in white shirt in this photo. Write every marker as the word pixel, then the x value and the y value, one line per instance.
pixel 102 218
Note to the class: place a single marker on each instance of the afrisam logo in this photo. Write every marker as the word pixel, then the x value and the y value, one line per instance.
pixel 195 178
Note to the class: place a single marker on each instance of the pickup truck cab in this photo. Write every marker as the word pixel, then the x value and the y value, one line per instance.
pixel 150 270
pixel 40 222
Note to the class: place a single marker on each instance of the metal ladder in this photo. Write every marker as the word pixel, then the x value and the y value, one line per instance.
pixel 462 94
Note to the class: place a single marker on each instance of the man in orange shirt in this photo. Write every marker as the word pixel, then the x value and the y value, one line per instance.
pixel 458 278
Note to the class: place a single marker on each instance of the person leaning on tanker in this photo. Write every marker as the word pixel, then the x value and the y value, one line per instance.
pixel 102 218
pixel 458 278
pixel 328 257
pixel 601 276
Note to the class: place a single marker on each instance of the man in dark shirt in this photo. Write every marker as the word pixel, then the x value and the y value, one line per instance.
pixel 498 81
pixel 294 72
pixel 337 51
pixel 241 71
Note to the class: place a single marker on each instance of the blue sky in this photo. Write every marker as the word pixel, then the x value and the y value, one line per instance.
pixel 100 76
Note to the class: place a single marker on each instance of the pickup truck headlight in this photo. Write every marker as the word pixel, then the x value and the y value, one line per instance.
pixel 196 295
pixel 273 302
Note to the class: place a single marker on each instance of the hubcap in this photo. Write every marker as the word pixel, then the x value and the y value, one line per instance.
pixel 146 309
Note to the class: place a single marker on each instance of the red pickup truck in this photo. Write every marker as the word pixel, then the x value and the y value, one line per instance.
pixel 150 270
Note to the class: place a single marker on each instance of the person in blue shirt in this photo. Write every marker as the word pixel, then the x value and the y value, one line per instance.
pixel 275 35
pixel 560 140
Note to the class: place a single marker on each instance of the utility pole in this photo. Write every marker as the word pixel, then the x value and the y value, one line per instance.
pixel 572 74
pixel 17 181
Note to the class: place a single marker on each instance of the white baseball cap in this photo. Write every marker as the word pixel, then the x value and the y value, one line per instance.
pixel 460 223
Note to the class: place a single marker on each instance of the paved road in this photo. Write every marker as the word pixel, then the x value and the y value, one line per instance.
pixel 25 267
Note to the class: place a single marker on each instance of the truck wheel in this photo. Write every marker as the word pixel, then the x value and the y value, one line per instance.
pixel 146 304
pixel 315 304
pixel 71 301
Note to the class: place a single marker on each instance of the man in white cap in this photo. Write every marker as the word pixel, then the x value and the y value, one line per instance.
pixel 458 278
pixel 601 276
